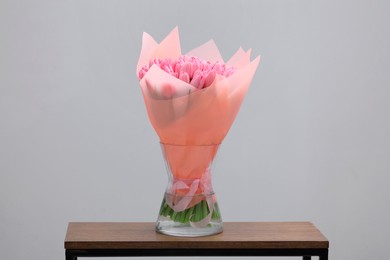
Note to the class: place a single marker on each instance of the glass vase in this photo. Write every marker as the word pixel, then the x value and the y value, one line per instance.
pixel 189 207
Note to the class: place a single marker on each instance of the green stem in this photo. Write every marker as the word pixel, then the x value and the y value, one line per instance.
pixel 183 216
pixel 164 210
pixel 188 214
pixel 162 207
pixel 198 212
pixel 205 208
pixel 216 212
pixel 178 216
pixel 195 213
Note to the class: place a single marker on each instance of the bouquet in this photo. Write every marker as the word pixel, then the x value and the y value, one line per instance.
pixel 192 101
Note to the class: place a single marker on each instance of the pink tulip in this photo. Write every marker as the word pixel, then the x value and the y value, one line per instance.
pixel 190 69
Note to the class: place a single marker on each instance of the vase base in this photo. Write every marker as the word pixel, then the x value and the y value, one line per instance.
pixel 171 228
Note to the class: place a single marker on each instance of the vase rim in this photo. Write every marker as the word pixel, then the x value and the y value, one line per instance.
pixel 194 145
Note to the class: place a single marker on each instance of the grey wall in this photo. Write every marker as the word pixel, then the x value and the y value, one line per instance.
pixel 311 142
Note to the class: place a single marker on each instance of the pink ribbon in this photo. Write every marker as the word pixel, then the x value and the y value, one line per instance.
pixel 185 200
pixel 182 204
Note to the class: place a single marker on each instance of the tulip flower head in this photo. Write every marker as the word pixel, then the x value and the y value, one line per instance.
pixel 190 69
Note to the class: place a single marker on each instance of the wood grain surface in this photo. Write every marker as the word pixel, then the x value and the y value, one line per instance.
pixel 142 235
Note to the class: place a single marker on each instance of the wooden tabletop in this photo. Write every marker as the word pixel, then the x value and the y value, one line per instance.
pixel 256 235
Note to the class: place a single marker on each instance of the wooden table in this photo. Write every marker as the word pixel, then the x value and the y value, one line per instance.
pixel 92 239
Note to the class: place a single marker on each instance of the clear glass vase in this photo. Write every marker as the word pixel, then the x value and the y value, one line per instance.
pixel 189 207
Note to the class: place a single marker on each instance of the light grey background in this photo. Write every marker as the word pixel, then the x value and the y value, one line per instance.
pixel 311 142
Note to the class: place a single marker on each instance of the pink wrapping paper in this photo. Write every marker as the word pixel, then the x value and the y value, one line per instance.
pixel 188 116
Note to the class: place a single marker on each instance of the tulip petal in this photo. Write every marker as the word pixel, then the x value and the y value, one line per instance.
pixel 184 77
pixel 209 78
